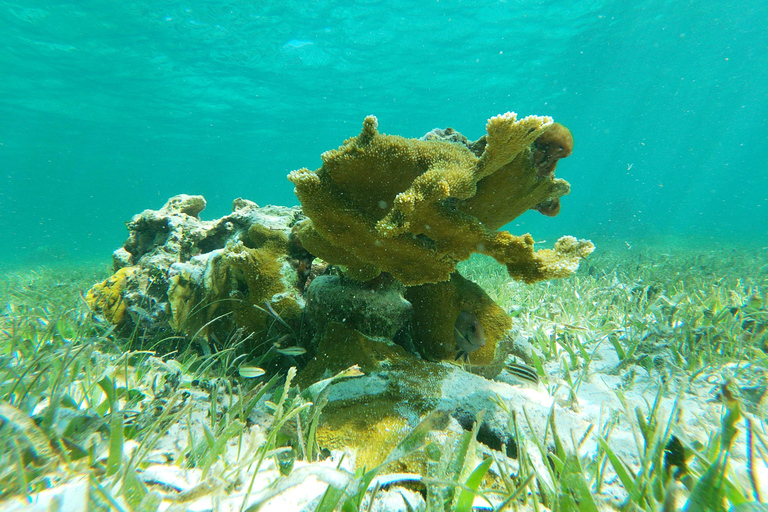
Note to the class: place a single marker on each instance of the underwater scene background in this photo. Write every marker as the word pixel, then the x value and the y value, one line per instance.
pixel 108 108
pixel 194 318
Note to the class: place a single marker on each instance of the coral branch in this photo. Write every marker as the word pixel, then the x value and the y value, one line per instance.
pixel 415 208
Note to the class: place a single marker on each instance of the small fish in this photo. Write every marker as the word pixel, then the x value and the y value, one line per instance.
pixel 292 351
pixel 250 372
pixel 468 334
pixel 138 314
pixel 352 371
pixel 270 310
pixel 524 372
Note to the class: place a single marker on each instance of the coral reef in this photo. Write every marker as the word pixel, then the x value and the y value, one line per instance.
pixel 383 206
pixel 180 274
pixel 415 208
pixel 372 270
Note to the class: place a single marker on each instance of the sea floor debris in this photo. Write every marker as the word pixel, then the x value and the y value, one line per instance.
pixel 639 352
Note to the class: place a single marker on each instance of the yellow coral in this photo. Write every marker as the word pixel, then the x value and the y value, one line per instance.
pixel 492 205
pixel 107 296
pixel 238 282
pixel 260 236
pixel 372 424
pixel 182 299
pixel 435 310
pixel 561 261
pixel 340 347
pixel 506 138
pixel 255 276
pixel 416 208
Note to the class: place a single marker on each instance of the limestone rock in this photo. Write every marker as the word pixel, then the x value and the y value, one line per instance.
pixel 371 413
pixel 206 278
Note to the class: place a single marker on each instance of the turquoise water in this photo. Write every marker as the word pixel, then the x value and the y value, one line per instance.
pixel 108 108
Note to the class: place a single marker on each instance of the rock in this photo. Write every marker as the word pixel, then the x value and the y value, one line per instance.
pixel 371 413
pixel 177 273
pixel 374 308
pixel 182 203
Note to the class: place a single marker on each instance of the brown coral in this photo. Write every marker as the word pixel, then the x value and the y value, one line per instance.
pixel 415 208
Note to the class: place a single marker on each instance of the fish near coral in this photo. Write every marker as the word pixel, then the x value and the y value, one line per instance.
pixel 468 333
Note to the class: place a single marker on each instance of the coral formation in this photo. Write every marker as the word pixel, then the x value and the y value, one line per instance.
pixel 436 308
pixel 372 426
pixel 179 273
pixel 340 347
pixel 370 415
pixel 391 217
pixel 251 278
pixel 415 208
pixel 182 298
pixel 106 298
